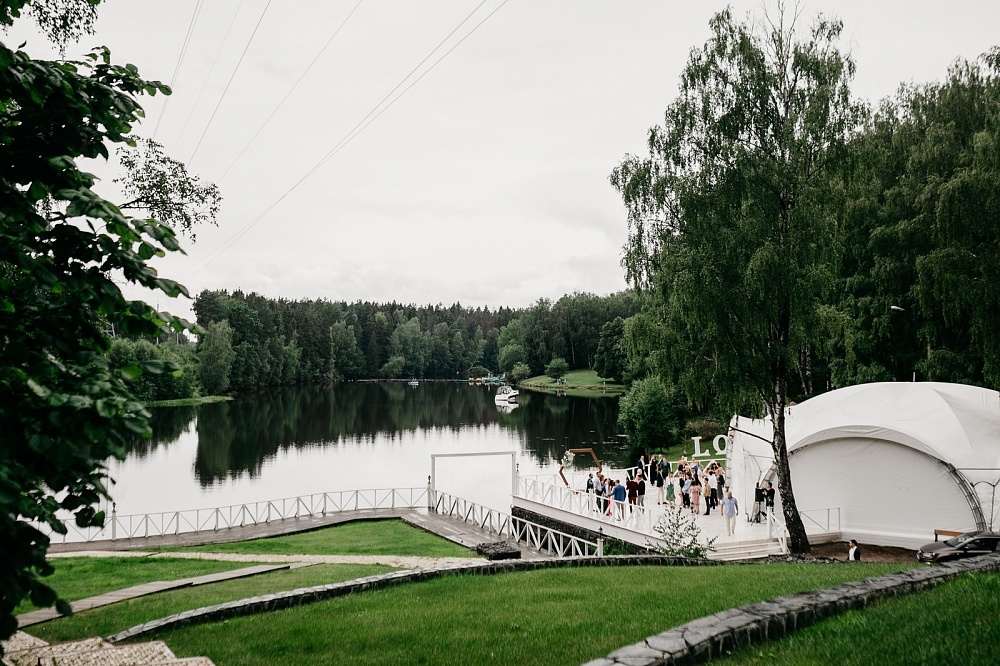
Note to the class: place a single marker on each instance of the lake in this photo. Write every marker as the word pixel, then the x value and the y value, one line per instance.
pixel 304 440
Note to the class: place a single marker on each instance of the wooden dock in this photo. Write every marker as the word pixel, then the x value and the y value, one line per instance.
pixel 465 534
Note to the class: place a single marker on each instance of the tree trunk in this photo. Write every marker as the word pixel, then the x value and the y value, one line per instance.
pixel 797 539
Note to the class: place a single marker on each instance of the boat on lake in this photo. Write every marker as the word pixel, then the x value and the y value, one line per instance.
pixel 505 394
pixel 413 382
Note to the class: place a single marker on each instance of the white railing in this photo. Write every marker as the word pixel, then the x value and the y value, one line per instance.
pixel 622 514
pixel 504 525
pixel 241 515
pixel 776 530
pixel 827 520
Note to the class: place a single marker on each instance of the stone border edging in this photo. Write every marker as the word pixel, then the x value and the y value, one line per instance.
pixel 281 600
pixel 712 636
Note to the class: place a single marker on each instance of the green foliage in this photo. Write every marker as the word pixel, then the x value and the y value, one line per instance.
pixel 733 216
pixel 216 356
pixel 149 386
pixel 519 373
pixel 680 535
pixel 921 233
pixel 393 368
pixel 510 356
pixel 65 407
pixel 162 187
pixel 556 368
pixel 611 359
pixel 651 415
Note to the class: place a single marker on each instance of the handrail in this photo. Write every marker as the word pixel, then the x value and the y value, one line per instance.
pixel 503 524
pixel 240 515
pixel 630 516
pixel 776 529
pixel 828 525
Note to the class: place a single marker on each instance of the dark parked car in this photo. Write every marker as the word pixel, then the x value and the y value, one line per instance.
pixel 969 544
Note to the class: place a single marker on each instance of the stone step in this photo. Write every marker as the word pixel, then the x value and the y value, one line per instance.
pixel 25 650
pixel 745 550
pixel 32 656
pixel 114 655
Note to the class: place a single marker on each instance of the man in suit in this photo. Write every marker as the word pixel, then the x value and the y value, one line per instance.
pixel 853 553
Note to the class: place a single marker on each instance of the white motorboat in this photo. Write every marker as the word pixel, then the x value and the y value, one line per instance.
pixel 413 382
pixel 505 394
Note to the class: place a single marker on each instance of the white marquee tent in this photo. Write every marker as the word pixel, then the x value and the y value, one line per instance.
pixel 892 461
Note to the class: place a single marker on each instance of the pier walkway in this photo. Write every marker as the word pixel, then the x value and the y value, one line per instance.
pixel 463 533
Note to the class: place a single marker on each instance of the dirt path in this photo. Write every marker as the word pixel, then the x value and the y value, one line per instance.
pixel 838 550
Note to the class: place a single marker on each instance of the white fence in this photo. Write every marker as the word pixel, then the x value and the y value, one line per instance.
pixel 241 515
pixel 502 524
pixel 824 520
pixel 622 514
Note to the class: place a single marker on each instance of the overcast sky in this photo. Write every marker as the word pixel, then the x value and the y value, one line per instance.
pixel 487 181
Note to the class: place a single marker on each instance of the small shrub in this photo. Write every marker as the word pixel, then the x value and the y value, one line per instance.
pixel 680 535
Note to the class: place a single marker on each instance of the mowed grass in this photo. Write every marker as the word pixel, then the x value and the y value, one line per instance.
pixel 578 382
pixel 76 578
pixel 555 616
pixel 954 623
pixel 117 617
pixel 360 537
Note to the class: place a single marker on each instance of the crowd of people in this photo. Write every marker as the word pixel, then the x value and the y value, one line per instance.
pixel 687 486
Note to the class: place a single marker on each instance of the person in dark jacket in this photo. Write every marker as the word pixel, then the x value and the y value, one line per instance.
pixel 854 552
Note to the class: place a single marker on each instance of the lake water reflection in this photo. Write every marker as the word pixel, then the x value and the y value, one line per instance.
pixel 353 436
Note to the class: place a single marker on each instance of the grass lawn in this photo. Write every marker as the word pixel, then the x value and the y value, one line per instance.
pixel 953 623
pixel 359 537
pixel 117 617
pixel 80 577
pixel 578 383
pixel 560 616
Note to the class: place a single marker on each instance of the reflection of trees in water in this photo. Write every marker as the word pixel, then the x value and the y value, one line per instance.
pixel 551 424
pixel 236 438
pixel 168 424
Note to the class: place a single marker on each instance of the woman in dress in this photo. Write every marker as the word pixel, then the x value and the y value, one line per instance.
pixel 695 495
pixel 671 491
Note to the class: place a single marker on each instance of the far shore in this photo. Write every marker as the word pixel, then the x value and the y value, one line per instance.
pixel 576 383
pixel 189 402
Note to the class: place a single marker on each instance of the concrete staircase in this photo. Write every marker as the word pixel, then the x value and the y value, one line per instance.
pixel 25 650
pixel 757 549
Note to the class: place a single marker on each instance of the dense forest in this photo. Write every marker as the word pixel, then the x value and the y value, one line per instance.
pixel 251 342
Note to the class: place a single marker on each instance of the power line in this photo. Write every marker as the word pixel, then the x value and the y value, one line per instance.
pixel 180 60
pixel 226 89
pixel 354 132
pixel 290 91
pixel 211 69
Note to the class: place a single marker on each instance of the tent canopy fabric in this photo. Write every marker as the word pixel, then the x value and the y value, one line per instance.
pixel 883 449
